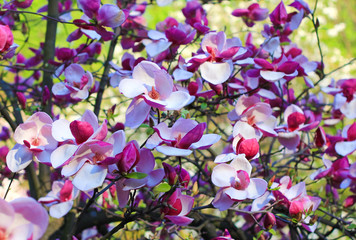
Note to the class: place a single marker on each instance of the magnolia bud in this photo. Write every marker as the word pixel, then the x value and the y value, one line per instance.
pixel 249 147
pixel 22 99
pixel 269 221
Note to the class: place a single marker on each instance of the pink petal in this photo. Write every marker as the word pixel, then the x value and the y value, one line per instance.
pixel 18 158
pixel 89 177
pixel 289 139
pixel 180 220
pixel 62 154
pixel 155 177
pixel 223 175
pixel 61 130
pixel 216 73
pixel 256 188
pixel 235 194
pixel 172 151
pixel 241 163
pixel 163 83
pixel 131 87
pixel 60 89
pixel 81 131
pixel 147 161
pixel 222 201
pixel 60 209
pixel 110 15
pixel 177 100
pixel 192 136
pixel 137 113
pixel 7 214
pixel 206 141
pixel 345 148
pixel 73 73
pixel 271 75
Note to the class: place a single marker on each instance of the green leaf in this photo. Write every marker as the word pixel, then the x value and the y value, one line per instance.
pixel 352 226
pixel 203 105
pixel 272 231
pixel 163 187
pixel 136 175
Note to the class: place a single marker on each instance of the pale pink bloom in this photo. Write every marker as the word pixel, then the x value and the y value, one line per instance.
pixel 75 133
pixel 296 121
pixel 60 199
pixel 33 139
pixel 216 62
pixel 181 138
pixel 254 119
pixel 235 183
pixel 178 206
pixel 150 86
pixel 77 83
pixel 22 218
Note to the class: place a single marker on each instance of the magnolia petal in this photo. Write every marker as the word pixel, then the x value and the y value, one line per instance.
pixel 289 139
pixel 222 201
pixel 236 194
pixel 62 154
pixel 18 158
pixel 172 151
pixel 89 177
pixel 177 100
pixel 256 188
pixel 223 175
pixel 136 113
pixel 206 141
pixel 131 87
pixel 345 148
pixel 180 220
pixel 216 73
pixel 7 214
pixel 260 202
pixel 60 209
pixel 241 163
pixel 60 89
pixel 155 177
pixel 271 75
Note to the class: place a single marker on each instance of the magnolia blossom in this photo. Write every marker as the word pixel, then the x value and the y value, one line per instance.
pixel 251 14
pixel 216 62
pixel 178 206
pixel 181 138
pixel 77 83
pixel 289 135
pixel 278 69
pixel 33 139
pixel 150 86
pixel 22 218
pixel 235 182
pixel 60 199
pixel 6 38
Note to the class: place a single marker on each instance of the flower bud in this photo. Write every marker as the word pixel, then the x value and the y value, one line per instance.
pixel 22 99
pixel 249 147
pixel 269 221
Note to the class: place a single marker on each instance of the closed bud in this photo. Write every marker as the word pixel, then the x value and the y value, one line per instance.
pixel 22 99
pixel 269 221
pixel 249 147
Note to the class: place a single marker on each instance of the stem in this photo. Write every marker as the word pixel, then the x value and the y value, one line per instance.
pixel 8 187
pixel 105 78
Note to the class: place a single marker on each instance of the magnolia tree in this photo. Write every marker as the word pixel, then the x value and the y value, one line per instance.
pixel 181 131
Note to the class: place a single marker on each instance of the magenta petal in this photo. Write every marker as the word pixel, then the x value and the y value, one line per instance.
pixel 81 131
pixel 192 136
pixel 288 67
pixel 155 177
pixel 264 63
pixel 110 15
pixel 240 12
pixel 180 220
pixel 147 161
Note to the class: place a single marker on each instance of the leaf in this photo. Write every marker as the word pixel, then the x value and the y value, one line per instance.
pixel 136 175
pixel 272 231
pixel 352 226
pixel 203 105
pixel 163 187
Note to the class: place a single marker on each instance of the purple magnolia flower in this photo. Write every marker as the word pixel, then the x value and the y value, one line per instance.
pixel 235 183
pixel 22 218
pixel 150 86
pixel 178 206
pixel 33 139
pixel 278 69
pixel 251 14
pixel 135 160
pixel 181 138
pixel 60 199
pixel 77 83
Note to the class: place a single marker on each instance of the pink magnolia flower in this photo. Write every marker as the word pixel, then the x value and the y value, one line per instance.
pixel 60 199
pixel 22 218
pixel 181 138
pixel 6 38
pixel 235 183
pixel 33 139
pixel 178 206
pixel 251 14
pixel 289 135
pixel 77 83
pixel 347 146
pixel 278 69
pixel 337 171
pixel 216 62
pixel 254 119
pixel 150 86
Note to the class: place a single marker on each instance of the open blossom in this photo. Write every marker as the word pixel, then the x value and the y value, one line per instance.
pixel 251 14
pixel 216 61
pixel 77 83
pixel 178 206
pixel 33 139
pixel 150 86
pixel 181 138
pixel 289 134
pixel 22 218
pixel 60 199
pixel 235 183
